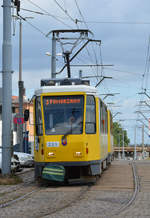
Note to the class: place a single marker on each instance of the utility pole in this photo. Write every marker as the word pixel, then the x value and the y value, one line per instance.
pixel 143 140
pixel 119 156
pixel 6 89
pixel 21 90
pixel 123 153
pixel 53 59
pixel 135 143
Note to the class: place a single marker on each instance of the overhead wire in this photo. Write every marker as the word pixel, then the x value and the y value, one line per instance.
pixel 122 71
pixel 145 75
pixel 36 28
pixel 117 22
pixel 80 13
pixel 147 66
pixel 36 12
pixel 77 5
pixel 65 4
pixel 45 13
pixel 40 13
pixel 66 12
pixel 54 17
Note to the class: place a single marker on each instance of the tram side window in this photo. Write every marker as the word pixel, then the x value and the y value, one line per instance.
pixel 103 118
pixel 38 115
pixel 90 127
pixel 106 119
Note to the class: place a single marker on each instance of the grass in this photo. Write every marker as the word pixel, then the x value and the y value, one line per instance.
pixel 10 180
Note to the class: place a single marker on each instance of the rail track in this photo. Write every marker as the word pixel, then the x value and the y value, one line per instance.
pixel 88 188
pixel 136 190
pixel 11 194
pixel 101 198
pixel 26 192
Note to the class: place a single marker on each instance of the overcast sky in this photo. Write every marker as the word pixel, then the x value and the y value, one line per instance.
pixel 122 26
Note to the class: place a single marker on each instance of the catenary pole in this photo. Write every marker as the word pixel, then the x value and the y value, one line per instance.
pixel 135 143
pixel 143 140
pixel 6 88
pixel 21 90
pixel 119 148
pixel 53 58
pixel 123 153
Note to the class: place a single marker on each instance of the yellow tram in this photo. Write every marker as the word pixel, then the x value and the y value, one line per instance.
pixel 73 136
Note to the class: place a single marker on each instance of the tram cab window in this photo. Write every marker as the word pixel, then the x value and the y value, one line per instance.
pixel 63 114
pixel 38 117
pixel 90 125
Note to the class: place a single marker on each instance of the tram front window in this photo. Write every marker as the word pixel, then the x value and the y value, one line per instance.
pixel 63 114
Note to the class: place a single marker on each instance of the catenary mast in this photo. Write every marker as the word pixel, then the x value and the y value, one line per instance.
pixel 6 88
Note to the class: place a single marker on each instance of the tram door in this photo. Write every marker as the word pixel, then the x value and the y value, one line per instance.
pixel 39 149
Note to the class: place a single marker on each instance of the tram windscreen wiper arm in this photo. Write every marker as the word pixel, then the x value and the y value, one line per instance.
pixel 70 131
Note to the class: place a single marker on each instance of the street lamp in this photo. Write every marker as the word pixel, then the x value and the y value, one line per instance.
pixel 49 54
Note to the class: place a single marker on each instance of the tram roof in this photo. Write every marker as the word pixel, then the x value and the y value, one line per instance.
pixel 67 88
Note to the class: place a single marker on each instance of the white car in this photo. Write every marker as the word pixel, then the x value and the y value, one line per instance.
pixel 15 164
pixel 26 160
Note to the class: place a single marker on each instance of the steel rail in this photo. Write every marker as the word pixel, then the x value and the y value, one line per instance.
pixel 17 199
pixel 27 181
pixel 79 197
pixel 135 193
pixel 81 194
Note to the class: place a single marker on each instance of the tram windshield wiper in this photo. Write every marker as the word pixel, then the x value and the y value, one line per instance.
pixel 71 129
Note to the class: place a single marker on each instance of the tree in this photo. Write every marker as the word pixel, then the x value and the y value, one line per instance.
pixel 118 135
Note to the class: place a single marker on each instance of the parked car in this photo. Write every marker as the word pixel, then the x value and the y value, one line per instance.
pixel 26 160
pixel 15 164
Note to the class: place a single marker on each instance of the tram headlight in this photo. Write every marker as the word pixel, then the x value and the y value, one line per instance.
pixel 51 154
pixel 78 154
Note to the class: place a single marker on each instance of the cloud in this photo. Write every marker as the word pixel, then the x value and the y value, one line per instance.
pixel 123 45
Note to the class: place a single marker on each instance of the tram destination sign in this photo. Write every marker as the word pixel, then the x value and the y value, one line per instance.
pixel 62 101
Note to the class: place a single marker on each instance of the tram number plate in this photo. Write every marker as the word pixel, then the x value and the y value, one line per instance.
pixel 52 144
